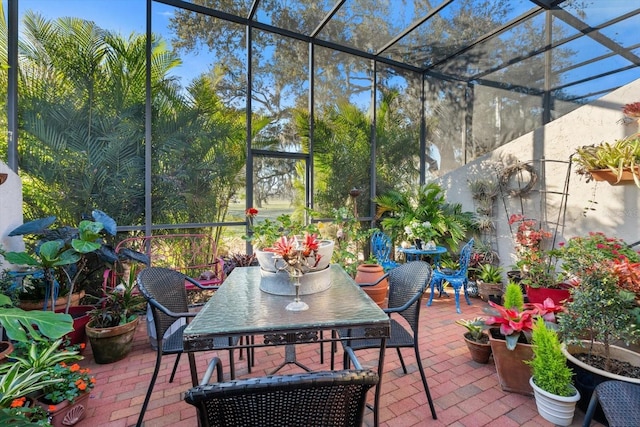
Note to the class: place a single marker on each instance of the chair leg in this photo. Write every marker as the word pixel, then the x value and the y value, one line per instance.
pixel 175 367
pixel 591 409
pixel 456 291
pixel 433 282
pixel 464 289
pixel 404 368
pixel 232 365
pixel 154 376
pixel 321 349
pixel 424 382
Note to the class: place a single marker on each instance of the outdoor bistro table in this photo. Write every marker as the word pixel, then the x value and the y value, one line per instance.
pixel 239 308
pixel 413 254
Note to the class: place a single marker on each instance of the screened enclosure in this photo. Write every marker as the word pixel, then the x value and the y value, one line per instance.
pixel 173 114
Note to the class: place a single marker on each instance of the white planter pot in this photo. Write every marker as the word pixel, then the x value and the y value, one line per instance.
pixel 265 259
pixel 558 410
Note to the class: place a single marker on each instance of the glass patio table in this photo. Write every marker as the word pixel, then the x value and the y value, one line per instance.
pixel 239 308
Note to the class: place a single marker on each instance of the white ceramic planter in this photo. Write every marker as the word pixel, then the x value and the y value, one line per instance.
pixel 558 410
pixel 265 259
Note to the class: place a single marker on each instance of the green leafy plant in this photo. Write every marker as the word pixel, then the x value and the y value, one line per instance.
pixel 118 306
pixel 265 233
pixel 618 156
pixel 75 381
pixel 513 298
pixel 489 273
pixel 549 365
pixel 474 329
pixel 21 325
pixel 59 253
pixel 17 382
pixel 42 355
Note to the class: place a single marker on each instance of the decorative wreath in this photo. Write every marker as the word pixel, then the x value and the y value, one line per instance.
pixel 511 171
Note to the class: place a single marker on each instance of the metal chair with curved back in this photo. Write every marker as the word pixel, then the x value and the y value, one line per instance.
pixel 457 278
pixel 321 398
pixel 164 289
pixel 407 284
pixel 381 248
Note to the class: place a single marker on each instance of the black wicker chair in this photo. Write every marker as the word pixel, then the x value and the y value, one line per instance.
pixel 620 402
pixel 407 284
pixel 164 290
pixel 327 398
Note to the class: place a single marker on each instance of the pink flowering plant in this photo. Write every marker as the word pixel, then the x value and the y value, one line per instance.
pixel 294 256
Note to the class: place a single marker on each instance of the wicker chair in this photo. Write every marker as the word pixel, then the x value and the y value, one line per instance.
pixel 332 398
pixel 164 290
pixel 407 284
pixel 620 402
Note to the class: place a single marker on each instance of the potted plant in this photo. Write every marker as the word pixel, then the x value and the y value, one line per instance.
pixel 489 280
pixel 511 342
pixel 371 277
pixel 113 322
pixel 612 162
pixel 600 313
pixel 554 392
pixel 66 390
pixel 15 408
pixel 476 339
pixel 59 256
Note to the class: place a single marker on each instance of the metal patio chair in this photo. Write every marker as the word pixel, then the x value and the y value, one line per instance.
pixel 457 278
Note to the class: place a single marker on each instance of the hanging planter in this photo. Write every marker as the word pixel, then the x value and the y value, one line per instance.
pixel 611 176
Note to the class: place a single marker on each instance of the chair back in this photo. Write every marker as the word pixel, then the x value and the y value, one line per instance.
pixel 381 246
pixel 332 398
pixel 164 287
pixel 407 284
pixel 465 258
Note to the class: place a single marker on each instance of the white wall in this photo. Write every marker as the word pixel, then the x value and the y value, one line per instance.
pixel 10 212
pixel 617 208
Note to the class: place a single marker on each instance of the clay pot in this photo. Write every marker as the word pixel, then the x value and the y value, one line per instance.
pixel 480 352
pixel 60 304
pixel 370 273
pixel 111 344
pixel 513 373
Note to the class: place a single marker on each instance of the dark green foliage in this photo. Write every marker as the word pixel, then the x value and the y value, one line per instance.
pixel 549 365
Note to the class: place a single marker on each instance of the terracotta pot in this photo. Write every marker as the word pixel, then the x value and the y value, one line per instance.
pixel 111 344
pixel 480 352
pixel 611 177
pixel 513 373
pixel 80 320
pixel 67 413
pixel 538 295
pixel 369 273
pixel 486 290
pixel 61 303
pixel 587 377
pixel 6 348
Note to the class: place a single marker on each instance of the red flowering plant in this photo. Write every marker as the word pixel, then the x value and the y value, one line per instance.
pixel 516 319
pixel 537 267
pixel 294 256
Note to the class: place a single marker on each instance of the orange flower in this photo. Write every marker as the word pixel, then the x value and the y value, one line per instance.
pixel 18 402
pixel 75 367
pixel 52 408
pixel 82 386
pixel 82 346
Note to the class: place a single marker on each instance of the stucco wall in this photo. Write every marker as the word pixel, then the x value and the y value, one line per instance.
pixel 10 212
pixel 614 210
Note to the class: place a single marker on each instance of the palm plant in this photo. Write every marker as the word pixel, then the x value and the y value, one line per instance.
pixel 397 209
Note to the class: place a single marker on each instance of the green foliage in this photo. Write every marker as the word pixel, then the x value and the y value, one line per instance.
pixel 397 210
pixel 118 306
pixel 489 273
pixel 265 233
pixel 41 355
pixel 474 327
pixel 513 298
pixel 549 365
pixel 17 382
pixel 624 153
pixel 19 324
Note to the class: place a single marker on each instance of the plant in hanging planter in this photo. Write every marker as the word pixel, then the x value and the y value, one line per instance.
pixel 620 158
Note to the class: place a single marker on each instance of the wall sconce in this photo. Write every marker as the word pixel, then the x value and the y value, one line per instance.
pixel 3 177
